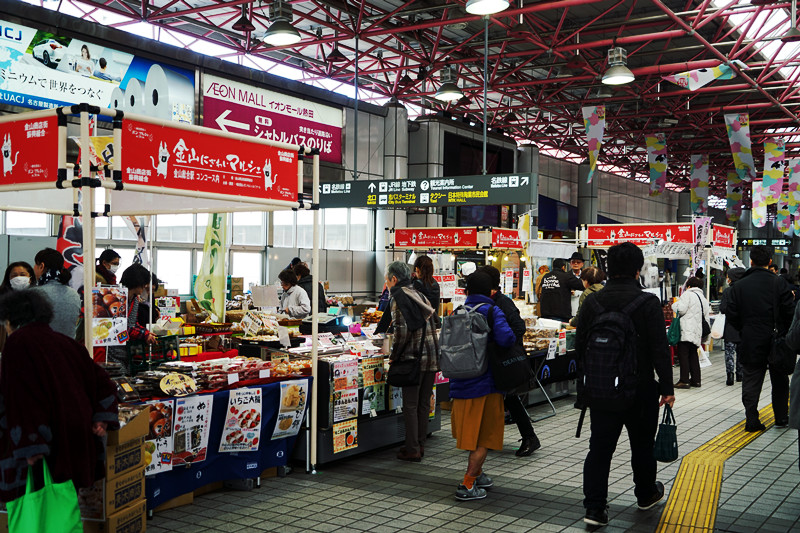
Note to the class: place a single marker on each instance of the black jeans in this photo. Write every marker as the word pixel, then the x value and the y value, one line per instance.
pixel 520 415
pixel 753 380
pixel 690 363
pixel 641 421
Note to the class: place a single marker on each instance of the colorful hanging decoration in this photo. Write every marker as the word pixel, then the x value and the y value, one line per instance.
pixel 734 194
pixel 772 185
pixel 738 126
pixel 594 120
pixel 759 210
pixel 796 225
pixel 794 186
pixel 699 184
pixel 784 219
pixel 694 79
pixel 657 158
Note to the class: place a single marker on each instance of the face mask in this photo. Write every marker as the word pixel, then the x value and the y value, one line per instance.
pixel 20 282
pixel 145 296
pixel 113 268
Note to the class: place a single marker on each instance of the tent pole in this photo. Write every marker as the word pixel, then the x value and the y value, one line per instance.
pixel 87 205
pixel 314 311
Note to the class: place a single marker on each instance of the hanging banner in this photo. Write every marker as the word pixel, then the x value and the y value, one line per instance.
pixel 29 149
pixel 772 184
pixel 70 241
pixel 702 232
pixel 192 422
pixel 211 283
pixel 657 159
pixel 794 186
pixel 738 126
pixel 699 184
pixel 783 218
pixel 242 421
pixel 759 209
pixel 734 196
pixel 110 315
pixel 796 225
pixel 724 236
pixel 436 238
pixel 506 239
pixel 605 235
pixel 594 121
pixel 139 229
pixel 158 446
pixel 697 78
pixel 292 408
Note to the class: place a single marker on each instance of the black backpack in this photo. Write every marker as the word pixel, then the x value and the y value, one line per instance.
pixel 608 370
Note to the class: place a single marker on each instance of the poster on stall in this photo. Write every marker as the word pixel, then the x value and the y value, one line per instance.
pixel 395 398
pixel 110 320
pixel 158 446
pixel 447 285
pixel 374 399
pixel 508 281
pixel 192 421
pixel 526 280
pixel 459 297
pixel 242 421
pixel 345 436
pixel 372 369
pixel 345 374
pixel 292 408
pixel 432 410
pixel 345 404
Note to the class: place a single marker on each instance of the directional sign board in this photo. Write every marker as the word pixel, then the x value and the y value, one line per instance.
pixel 494 189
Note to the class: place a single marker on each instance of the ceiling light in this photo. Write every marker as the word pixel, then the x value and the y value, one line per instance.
pixel 282 33
pixel 605 92
pixel 448 91
pixel 243 24
pixel 551 130
pixel 464 101
pixel 512 117
pixel 336 56
pixel 405 81
pixel 617 73
pixel 486 7
pixel 791 36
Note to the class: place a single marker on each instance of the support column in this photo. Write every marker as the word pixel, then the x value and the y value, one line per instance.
pixel 395 142
pixel 527 162
pixel 587 197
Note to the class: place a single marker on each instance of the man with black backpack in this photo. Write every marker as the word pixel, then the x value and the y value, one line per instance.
pixel 621 339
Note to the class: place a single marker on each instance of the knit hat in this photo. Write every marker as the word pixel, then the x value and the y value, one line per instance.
pixel 735 274
pixel 479 283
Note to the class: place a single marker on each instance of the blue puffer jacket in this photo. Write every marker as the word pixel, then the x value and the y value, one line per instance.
pixel 501 334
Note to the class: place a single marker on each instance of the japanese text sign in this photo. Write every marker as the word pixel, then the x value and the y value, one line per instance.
pixel 29 150
pixel 436 238
pixel 603 235
pixel 724 236
pixel 506 239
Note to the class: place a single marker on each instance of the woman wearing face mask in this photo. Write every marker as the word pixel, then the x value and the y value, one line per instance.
pixel 52 280
pixel 106 268
pixel 137 279
pixel 18 277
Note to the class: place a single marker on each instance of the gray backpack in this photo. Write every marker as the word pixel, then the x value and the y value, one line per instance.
pixel 462 342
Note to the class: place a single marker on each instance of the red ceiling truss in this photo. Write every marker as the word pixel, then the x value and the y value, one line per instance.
pixel 545 62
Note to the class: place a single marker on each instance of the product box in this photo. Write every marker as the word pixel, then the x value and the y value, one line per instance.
pixel 138 427
pixel 124 458
pixel 188 350
pixel 132 519
pixel 107 497
pixel 237 287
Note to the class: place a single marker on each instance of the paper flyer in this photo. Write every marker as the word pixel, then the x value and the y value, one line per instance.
pixel 158 446
pixel 242 421
pixel 110 315
pixel 345 436
pixel 374 399
pixel 447 285
pixel 345 404
pixel 345 374
pixel 395 398
pixel 372 370
pixel 292 408
pixel 192 422
pixel 459 298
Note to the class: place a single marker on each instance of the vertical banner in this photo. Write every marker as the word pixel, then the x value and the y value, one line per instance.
pixel 139 230
pixel 738 126
pixel 110 320
pixel 734 194
pixel 209 287
pixel 70 241
pixel 594 121
pixel 192 422
pixel 702 232
pixel 657 158
pixel 772 185
pixel 697 78
pixel 159 444
pixel 699 184
pixel 292 408
pixel 783 218
pixel 242 421
pixel 796 225
pixel 759 208
pixel 794 186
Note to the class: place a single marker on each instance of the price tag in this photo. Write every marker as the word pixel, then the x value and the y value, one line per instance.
pixel 373 413
pixel 283 337
pixel 279 357
pixel 347 336
pixel 551 350
pixel 263 374
pixel 398 410
pixel 233 378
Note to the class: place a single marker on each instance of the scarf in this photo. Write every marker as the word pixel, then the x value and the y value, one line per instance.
pixel 49 275
pixel 109 276
pixel 410 310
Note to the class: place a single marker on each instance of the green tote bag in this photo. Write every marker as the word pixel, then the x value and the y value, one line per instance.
pixel 674 332
pixel 53 509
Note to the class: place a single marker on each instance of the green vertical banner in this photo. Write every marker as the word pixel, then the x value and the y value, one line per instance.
pixel 209 287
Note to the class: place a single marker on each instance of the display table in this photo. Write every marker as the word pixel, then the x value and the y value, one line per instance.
pixel 549 372
pixel 207 356
pixel 217 466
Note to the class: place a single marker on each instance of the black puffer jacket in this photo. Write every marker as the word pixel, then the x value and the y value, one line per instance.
pixel 307 283
pixel 509 308
pixel 731 334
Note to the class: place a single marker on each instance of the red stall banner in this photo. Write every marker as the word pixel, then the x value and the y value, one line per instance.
pixel 29 150
pixel 724 236
pixel 604 235
pixel 506 239
pixel 436 238
pixel 164 156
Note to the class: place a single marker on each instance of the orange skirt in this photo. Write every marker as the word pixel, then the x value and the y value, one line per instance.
pixel 478 422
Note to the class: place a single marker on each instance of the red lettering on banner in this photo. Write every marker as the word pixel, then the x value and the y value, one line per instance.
pixel 436 238
pixel 609 234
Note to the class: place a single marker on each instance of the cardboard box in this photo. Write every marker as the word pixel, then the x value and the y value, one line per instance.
pixel 124 458
pixel 132 519
pixel 138 427
pixel 188 350
pixel 107 497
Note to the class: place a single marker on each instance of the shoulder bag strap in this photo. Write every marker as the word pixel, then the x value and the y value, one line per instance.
pixel 702 311
pixel 776 302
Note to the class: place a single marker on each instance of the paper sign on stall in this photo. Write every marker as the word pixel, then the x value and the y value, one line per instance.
pixel 526 280
pixel 291 410
pixel 374 399
pixel 158 446
pixel 345 374
pixel 110 322
pixel 345 436
pixel 447 285
pixel 192 421
pixel 395 399
pixel 265 296
pixel 552 349
pixel 325 339
pixel 345 404
pixel 242 421
pixel 372 370
pixel 459 298
pixel 508 278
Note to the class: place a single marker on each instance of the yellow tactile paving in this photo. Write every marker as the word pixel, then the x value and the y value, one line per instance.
pixel 693 500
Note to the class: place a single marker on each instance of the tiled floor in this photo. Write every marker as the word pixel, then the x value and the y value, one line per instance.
pixel 376 492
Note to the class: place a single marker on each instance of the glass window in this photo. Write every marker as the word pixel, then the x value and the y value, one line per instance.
pixel 202 224
pixel 305 229
pixel 360 229
pixel 283 229
pixel 21 223
pixel 121 231
pixel 248 266
pixel 249 228
pixel 101 227
pixel 335 229
pixel 173 267
pixel 174 228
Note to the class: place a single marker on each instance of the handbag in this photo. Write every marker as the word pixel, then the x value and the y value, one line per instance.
pixel 665 449
pixel 511 367
pixel 52 509
pixel 705 325
pixel 674 332
pixel 405 372
pixel 781 358
pixel 718 327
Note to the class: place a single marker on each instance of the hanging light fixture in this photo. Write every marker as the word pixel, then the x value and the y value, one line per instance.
pixel 449 90
pixel 617 72
pixel 405 81
pixel 243 24
pixel 336 56
pixel 793 34
pixel 605 92
pixel 486 7
pixel 281 32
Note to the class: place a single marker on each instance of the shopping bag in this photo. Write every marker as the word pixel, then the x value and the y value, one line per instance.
pixel 404 373
pixel 52 509
pixel 702 355
pixel 665 449
pixel 511 368
pixel 674 333
pixel 718 328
